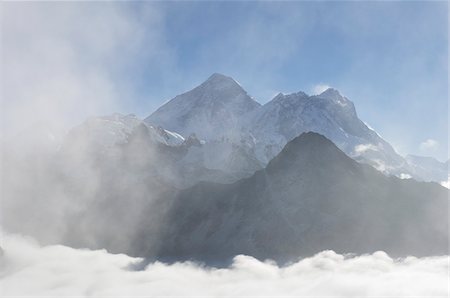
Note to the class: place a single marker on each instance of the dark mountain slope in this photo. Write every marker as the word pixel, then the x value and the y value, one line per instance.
pixel 311 197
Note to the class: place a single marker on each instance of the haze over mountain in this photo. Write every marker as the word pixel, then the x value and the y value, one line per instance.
pixel 237 136
pixel 310 197
pixel 231 177
pixel 429 167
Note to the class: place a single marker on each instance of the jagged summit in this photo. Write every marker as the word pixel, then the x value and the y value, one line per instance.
pixel 279 95
pixel 331 94
pixel 331 91
pixel 291 96
pixel 335 96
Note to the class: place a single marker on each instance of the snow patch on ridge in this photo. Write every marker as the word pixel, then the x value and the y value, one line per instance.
pixel 404 176
pixel 446 184
pixel 361 148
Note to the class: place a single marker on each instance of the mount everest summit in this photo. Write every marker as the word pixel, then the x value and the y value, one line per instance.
pixel 212 110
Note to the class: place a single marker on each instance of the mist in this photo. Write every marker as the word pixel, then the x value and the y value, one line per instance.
pixel 88 193
pixel 62 65
pixel 55 271
pixel 64 62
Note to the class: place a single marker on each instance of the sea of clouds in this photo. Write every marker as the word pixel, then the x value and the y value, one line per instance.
pixel 28 269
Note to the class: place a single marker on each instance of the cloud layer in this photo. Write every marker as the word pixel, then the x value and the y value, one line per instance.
pixel 29 269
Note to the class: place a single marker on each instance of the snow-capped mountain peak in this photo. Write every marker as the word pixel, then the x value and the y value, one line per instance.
pixel 220 109
pixel 330 93
pixel 211 110
pixel 110 130
pixel 291 98
pixel 220 81
pixel 335 96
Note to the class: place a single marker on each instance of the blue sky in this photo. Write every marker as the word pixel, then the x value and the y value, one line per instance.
pixel 389 58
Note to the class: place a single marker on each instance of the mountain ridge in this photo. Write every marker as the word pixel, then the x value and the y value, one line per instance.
pixel 263 130
pixel 297 206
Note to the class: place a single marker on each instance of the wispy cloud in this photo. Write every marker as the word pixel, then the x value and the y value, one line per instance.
pixel 319 88
pixel 429 145
pixel 63 62
pixel 365 147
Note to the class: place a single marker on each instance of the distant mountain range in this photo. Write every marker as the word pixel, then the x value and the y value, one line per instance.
pixel 220 110
pixel 212 173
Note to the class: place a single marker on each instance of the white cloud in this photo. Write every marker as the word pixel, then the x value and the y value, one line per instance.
pixel 28 269
pixel 319 88
pixel 361 148
pixel 429 145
